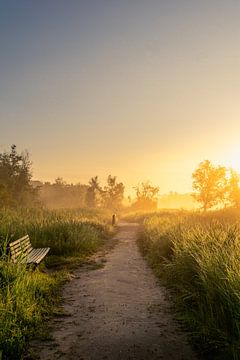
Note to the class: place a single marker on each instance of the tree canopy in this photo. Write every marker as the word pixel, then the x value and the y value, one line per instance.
pixel 146 197
pixel 209 184
pixel 15 179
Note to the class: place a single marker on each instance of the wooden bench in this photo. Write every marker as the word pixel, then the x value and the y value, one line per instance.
pixel 22 250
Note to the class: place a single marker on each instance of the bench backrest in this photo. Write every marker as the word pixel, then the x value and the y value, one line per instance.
pixel 20 248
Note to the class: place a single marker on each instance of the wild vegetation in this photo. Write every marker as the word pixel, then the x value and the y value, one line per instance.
pixel 26 297
pixel 198 257
pixel 146 197
pixel 196 254
pixel 17 189
pixel 60 194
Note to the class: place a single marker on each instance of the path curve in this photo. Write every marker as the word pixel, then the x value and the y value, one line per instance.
pixel 117 312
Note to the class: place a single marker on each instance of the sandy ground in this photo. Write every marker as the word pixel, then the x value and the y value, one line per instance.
pixel 117 311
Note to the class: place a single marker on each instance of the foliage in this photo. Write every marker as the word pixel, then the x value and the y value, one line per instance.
pixel 61 195
pixel 15 176
pixel 93 193
pixel 209 184
pixel 146 197
pixel 69 196
pixel 112 194
pixel 198 256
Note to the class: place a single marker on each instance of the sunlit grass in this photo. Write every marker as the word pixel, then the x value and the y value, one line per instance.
pixel 199 258
pixel 26 296
pixel 66 232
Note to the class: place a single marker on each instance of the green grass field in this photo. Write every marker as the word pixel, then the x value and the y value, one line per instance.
pixel 198 257
pixel 27 297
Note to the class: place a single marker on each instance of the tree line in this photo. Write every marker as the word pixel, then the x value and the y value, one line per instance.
pixel 213 187
pixel 18 190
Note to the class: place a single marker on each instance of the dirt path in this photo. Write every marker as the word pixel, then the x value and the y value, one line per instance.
pixel 116 312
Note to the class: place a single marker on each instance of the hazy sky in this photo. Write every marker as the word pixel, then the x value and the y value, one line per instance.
pixel 141 89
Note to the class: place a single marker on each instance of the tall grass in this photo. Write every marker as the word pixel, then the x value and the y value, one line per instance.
pixel 66 232
pixel 199 258
pixel 27 297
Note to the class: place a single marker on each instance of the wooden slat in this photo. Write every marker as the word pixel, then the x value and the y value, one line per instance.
pixel 17 252
pixel 26 241
pixel 15 247
pixel 34 254
pixel 18 240
pixel 27 247
pixel 37 255
pixel 19 246
pixel 43 255
pixel 25 238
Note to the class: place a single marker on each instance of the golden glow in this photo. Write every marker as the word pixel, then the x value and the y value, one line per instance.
pixel 142 90
pixel 228 156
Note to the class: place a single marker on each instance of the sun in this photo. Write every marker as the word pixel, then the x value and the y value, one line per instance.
pixel 232 158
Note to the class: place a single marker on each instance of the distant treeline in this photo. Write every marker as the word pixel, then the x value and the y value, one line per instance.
pixel 17 189
pixel 60 194
pixel 92 195
pixel 213 187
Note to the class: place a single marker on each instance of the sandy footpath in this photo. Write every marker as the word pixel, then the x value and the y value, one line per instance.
pixel 117 312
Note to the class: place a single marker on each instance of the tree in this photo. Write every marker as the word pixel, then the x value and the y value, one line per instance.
pixel 113 194
pixel 209 185
pixel 146 197
pixel 93 193
pixel 15 179
pixel 60 182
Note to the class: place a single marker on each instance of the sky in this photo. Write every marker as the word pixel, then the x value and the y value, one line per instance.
pixel 140 89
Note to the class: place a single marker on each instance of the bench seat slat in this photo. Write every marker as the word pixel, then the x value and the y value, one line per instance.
pixel 36 255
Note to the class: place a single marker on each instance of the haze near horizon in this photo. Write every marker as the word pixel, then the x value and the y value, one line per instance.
pixel 141 89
